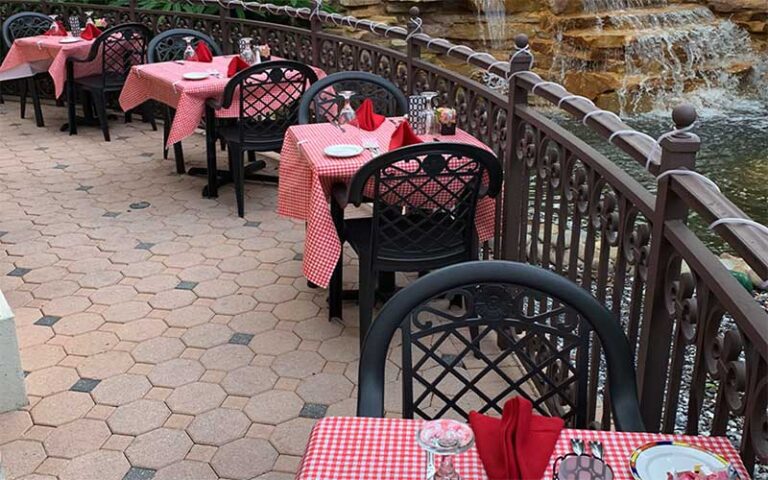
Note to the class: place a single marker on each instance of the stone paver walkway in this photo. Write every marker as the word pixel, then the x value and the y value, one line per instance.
pixel 175 341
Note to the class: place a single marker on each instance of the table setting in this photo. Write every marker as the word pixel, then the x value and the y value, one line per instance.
pixel 315 157
pixel 519 445
pixel 49 52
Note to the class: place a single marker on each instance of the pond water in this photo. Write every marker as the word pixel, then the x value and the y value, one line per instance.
pixel 734 153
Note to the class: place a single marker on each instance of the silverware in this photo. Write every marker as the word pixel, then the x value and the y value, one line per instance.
pixel 372 146
pixel 180 62
pixel 578 446
pixel 597 449
pixel 337 125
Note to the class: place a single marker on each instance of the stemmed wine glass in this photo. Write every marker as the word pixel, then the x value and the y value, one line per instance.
pixel 189 51
pixel 246 51
pixel 54 24
pixel 347 116
pixel 74 24
pixel 446 438
pixel 89 17
pixel 429 113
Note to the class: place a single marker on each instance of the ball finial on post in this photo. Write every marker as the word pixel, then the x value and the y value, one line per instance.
pixel 414 12
pixel 521 40
pixel 684 115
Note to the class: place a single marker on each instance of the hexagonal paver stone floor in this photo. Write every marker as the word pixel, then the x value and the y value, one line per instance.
pixel 162 336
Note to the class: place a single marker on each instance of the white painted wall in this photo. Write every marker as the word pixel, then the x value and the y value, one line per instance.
pixel 12 392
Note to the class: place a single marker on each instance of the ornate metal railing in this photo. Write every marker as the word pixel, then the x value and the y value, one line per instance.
pixel 700 339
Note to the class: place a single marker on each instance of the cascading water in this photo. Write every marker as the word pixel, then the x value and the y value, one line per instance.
pixel 663 52
pixel 493 15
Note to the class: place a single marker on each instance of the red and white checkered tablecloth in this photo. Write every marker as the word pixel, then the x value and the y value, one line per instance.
pixel 354 448
pixel 306 178
pixel 163 82
pixel 31 55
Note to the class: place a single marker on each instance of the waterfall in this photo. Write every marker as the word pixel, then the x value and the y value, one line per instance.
pixel 592 6
pixel 492 13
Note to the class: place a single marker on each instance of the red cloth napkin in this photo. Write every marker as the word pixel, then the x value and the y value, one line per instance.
pixel 367 119
pixel 403 136
pixel 519 444
pixel 91 31
pixel 61 32
pixel 203 53
pixel 236 65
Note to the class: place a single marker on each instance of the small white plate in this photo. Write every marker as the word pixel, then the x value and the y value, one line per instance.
pixel 195 76
pixel 652 461
pixel 69 40
pixel 343 151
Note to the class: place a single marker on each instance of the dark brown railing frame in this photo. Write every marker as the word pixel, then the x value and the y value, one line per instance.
pixel 570 209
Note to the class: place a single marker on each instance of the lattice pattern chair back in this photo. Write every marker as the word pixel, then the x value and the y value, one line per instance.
pixel 24 24
pixel 268 95
pixel 534 334
pixel 170 45
pixel 322 104
pixel 424 198
pixel 120 48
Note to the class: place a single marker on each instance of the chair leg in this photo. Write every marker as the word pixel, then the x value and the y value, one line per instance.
pixel 128 117
pixel 36 102
pixel 251 156
pixel 238 177
pixel 178 155
pixel 166 129
pixel 23 99
pixel 101 110
pixel 148 115
pixel 367 297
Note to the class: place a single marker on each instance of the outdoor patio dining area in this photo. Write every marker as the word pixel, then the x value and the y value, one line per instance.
pixel 232 257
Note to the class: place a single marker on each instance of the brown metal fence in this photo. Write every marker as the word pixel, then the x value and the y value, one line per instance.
pixel 700 339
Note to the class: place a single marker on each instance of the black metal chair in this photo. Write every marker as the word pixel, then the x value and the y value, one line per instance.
pixel 118 49
pixel 267 96
pixel 321 104
pixel 546 324
pixel 424 199
pixel 20 25
pixel 166 47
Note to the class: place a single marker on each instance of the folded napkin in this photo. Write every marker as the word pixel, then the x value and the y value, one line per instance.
pixel 90 32
pixel 60 32
pixel 403 136
pixel 236 65
pixel 367 119
pixel 203 53
pixel 518 445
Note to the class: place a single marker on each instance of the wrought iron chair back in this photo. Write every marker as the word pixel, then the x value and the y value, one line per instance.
pixel 268 95
pixel 322 104
pixel 534 335
pixel 24 24
pixel 424 201
pixel 120 48
pixel 170 45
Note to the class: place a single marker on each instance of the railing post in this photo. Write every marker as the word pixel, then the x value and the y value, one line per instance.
pixel 677 151
pixel 412 50
pixel 132 10
pixel 227 45
pixel 44 7
pixel 316 26
pixel 514 215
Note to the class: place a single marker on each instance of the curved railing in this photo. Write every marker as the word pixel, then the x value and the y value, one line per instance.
pixel 700 339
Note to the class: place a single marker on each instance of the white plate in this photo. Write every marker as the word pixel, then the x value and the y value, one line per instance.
pixel 343 151
pixel 652 461
pixel 70 40
pixel 195 76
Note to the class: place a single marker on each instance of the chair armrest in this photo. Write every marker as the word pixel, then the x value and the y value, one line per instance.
pixel 339 194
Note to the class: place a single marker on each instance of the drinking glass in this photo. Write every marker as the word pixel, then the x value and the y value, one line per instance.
pixel 446 438
pixel 246 51
pixel 189 51
pixel 89 17
pixel 74 25
pixel 429 114
pixel 347 116
pixel 54 23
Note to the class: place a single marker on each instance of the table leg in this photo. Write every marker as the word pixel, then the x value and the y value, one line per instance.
pixel 71 100
pixel 210 151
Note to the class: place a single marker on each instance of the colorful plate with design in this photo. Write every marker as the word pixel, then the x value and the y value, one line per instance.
pixel 654 460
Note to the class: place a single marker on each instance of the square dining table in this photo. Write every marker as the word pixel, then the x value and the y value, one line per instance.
pixel 307 176
pixel 356 448
pixel 164 82
pixel 31 55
